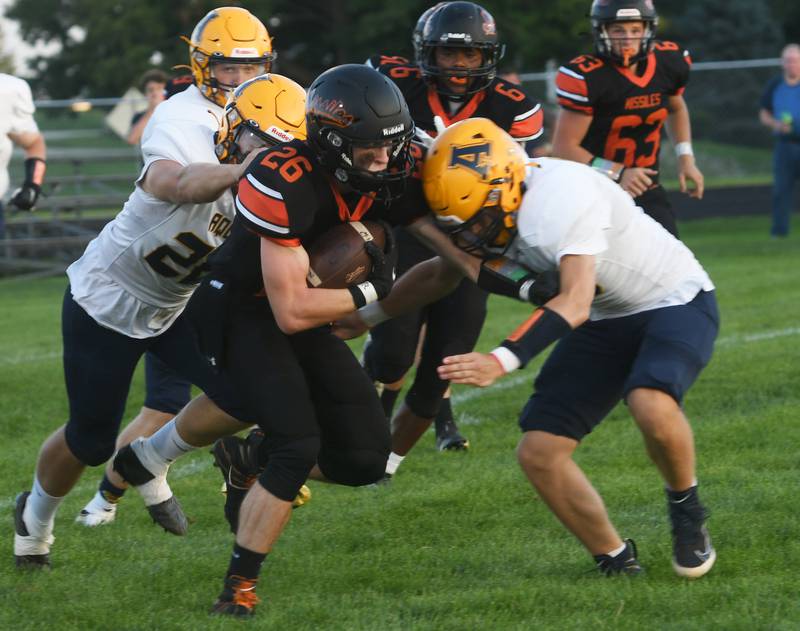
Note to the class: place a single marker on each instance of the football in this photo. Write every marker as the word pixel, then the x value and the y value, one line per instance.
pixel 338 259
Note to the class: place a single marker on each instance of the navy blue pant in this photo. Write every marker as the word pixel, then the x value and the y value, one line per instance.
pixel 165 390
pixel 599 363
pixel 786 165
pixel 98 368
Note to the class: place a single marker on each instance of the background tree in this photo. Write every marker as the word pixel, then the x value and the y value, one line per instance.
pixel 6 61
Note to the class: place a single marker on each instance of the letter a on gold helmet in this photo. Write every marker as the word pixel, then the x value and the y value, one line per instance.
pixel 228 35
pixel 473 180
pixel 263 111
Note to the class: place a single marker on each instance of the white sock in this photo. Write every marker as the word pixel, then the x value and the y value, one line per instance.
pixel 617 551
pixel 40 507
pixel 168 444
pixel 393 463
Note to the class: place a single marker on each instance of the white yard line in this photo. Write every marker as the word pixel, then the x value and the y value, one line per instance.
pixel 88 484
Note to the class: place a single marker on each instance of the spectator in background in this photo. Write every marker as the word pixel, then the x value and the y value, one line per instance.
pixel 17 127
pixel 780 111
pixel 153 84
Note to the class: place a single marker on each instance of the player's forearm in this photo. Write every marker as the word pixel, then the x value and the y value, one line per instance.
pixel 307 308
pixel 423 284
pixel 679 126
pixel 201 183
pixel 570 151
pixel 31 142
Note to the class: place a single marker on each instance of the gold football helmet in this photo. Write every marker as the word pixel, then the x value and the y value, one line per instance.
pixel 263 111
pixel 230 35
pixel 472 178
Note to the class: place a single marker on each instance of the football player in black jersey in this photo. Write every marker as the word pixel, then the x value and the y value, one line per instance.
pixel 454 78
pixel 615 102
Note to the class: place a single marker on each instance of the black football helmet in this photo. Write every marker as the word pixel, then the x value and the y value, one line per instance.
pixel 416 35
pixel 460 25
pixel 352 106
pixel 604 12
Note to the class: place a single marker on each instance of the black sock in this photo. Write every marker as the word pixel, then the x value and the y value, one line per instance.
pixel 444 417
pixel 388 399
pixel 245 563
pixel 112 494
pixel 679 497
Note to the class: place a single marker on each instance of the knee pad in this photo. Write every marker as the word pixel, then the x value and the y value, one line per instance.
pixel 387 364
pixel 91 448
pixel 424 398
pixel 353 467
pixel 288 465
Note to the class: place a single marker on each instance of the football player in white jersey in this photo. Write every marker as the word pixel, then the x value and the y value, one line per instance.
pixel 221 57
pixel 129 288
pixel 643 336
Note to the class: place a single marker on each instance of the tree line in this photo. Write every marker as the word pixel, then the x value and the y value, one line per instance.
pixel 106 45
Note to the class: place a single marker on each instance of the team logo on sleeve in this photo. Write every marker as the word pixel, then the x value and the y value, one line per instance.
pixel 472 157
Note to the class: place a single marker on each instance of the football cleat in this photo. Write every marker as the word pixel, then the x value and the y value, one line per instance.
pixel 692 553
pixel 448 438
pixel 238 461
pixel 625 563
pixel 141 469
pixel 238 598
pixel 31 550
pixel 97 512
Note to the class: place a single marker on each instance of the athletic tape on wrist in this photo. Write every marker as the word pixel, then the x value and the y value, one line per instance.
pixel 684 149
pixel 372 314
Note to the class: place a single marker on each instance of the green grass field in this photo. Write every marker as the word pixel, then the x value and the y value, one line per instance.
pixel 456 541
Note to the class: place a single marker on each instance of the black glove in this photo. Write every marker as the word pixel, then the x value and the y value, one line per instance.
pixel 542 288
pixel 26 195
pixel 381 277
pixel 505 277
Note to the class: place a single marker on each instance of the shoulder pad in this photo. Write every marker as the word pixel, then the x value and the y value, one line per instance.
pixel 277 196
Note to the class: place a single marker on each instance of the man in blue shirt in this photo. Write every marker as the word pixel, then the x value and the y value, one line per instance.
pixel 780 111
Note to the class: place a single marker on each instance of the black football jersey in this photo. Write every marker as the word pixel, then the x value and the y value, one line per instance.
pixel 502 102
pixel 628 108
pixel 287 196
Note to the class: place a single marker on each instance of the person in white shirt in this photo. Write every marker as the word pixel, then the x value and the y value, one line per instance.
pixel 17 127
pixel 130 287
pixel 635 319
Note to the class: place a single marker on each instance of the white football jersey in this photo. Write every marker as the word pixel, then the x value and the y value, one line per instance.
pixel 16 116
pixel 140 271
pixel 568 208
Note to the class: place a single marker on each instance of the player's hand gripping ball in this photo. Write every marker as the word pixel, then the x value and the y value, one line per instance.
pixel 339 258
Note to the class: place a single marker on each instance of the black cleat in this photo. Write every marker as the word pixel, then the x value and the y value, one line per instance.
pixel 170 516
pixel 448 438
pixel 237 459
pixel 34 551
pixel 238 598
pixel 625 563
pixel 692 552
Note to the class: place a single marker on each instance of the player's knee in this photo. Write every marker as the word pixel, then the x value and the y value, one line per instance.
pixel 387 368
pixel 354 467
pixel 91 448
pixel 425 399
pixel 536 454
pixel 288 466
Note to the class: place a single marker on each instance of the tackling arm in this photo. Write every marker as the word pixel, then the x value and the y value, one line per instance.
pixel 197 183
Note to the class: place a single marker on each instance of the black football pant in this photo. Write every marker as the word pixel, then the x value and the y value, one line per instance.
pixel 453 326
pixel 310 396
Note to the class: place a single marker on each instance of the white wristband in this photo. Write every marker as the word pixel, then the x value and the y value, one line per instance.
pixel 372 314
pixel 684 149
pixel 367 289
pixel 507 359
